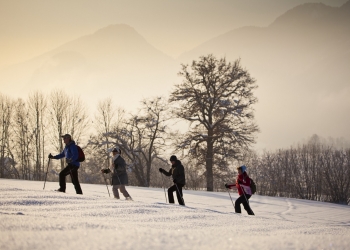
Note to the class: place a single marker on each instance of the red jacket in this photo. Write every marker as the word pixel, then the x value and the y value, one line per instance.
pixel 242 182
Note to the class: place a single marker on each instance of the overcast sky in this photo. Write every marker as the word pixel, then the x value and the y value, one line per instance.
pixel 30 28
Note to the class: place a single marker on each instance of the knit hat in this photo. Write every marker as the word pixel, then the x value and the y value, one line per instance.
pixel 244 168
pixel 173 158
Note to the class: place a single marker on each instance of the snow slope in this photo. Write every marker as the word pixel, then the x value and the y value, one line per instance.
pixel 33 218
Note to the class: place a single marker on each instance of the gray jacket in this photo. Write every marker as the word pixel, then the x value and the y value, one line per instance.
pixel 119 176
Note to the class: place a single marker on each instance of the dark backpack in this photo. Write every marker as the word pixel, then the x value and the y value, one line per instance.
pixel 81 155
pixel 252 186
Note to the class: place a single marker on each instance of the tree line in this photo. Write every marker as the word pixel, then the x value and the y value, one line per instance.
pixel 313 171
pixel 216 103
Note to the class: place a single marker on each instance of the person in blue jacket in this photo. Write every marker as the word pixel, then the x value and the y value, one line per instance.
pixel 70 152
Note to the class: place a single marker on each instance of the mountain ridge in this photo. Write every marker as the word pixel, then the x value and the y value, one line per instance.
pixel 299 61
pixel 294 60
pixel 116 56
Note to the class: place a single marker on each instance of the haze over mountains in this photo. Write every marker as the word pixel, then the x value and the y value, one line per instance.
pixel 302 66
pixel 301 63
pixel 111 62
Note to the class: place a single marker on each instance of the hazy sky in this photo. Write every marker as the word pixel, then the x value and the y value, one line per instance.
pixel 30 28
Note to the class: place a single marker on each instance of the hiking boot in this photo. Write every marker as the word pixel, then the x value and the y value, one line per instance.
pixel 60 190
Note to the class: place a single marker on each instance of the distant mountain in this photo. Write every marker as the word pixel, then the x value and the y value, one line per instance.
pixel 301 63
pixel 302 36
pixel 115 60
pixel 302 66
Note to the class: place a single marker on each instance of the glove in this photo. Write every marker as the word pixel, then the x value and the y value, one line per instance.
pixel 226 185
pixel 175 181
pixel 50 156
pixel 105 171
pixel 161 170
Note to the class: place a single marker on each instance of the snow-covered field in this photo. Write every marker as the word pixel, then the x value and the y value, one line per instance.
pixel 33 218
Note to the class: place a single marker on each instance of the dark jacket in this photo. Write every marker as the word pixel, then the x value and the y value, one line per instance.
pixel 177 171
pixel 70 151
pixel 119 177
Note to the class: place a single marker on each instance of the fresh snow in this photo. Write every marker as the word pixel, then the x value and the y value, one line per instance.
pixel 33 218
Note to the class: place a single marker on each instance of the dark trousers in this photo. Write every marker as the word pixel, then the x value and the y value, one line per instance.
pixel 73 172
pixel 178 190
pixel 242 200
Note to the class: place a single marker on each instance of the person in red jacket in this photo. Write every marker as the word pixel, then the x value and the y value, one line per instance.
pixel 243 186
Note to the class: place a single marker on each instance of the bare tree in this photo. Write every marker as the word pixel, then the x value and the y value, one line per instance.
pixel 67 115
pixel 77 119
pixel 58 106
pixel 108 119
pixel 337 175
pixel 24 140
pixel 7 159
pixel 143 138
pixel 313 171
pixel 216 97
pixel 37 106
pixel 105 120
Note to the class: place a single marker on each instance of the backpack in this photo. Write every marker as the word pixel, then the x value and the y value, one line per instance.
pixel 252 186
pixel 81 155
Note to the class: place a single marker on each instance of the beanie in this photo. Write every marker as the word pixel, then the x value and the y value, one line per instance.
pixel 173 158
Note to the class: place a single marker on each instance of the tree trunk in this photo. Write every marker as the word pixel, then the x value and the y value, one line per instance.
pixel 149 164
pixel 209 163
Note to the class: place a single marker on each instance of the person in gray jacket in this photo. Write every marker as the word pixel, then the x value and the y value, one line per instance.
pixel 119 175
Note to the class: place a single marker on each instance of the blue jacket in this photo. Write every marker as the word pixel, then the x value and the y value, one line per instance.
pixel 70 152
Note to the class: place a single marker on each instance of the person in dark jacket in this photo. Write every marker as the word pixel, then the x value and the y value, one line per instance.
pixel 177 171
pixel 70 152
pixel 119 175
pixel 244 191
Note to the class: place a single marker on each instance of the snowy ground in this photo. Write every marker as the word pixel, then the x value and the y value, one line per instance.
pixel 33 218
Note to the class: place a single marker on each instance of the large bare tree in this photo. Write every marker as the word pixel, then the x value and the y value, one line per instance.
pixel 217 98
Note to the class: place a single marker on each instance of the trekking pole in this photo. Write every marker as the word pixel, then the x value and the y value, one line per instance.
pixel 106 184
pixel 180 194
pixel 47 170
pixel 247 200
pixel 228 191
pixel 166 200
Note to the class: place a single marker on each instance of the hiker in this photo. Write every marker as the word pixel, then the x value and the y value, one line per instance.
pixel 70 152
pixel 177 171
pixel 244 191
pixel 119 176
